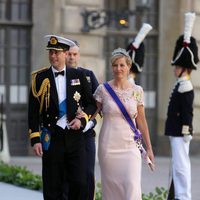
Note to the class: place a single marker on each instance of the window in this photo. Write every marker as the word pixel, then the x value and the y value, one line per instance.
pixel 138 12
pixel 15 59
pixel 15 10
pixel 15 43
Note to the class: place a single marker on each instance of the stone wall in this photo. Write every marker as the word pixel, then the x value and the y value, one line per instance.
pixel 63 17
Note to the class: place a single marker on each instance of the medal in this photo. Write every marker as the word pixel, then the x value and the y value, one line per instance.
pixel 77 98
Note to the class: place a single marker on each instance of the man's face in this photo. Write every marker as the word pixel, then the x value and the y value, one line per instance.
pixel 73 57
pixel 57 58
pixel 177 71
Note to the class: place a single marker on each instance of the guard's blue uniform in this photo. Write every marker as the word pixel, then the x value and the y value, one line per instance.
pixel 179 125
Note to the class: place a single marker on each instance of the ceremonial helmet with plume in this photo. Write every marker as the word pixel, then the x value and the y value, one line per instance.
pixel 136 49
pixel 186 50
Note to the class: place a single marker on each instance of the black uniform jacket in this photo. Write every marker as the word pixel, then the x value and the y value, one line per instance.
pixel 76 83
pixel 180 109
pixel 93 83
pixel 90 78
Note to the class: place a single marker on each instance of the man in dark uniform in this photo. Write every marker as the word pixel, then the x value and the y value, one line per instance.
pixel 180 112
pixel 56 99
pixel 72 61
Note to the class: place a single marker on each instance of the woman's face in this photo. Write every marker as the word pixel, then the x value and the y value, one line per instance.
pixel 120 68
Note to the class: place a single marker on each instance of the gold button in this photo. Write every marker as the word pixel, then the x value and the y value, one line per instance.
pixel 47 115
pixel 56 117
pixel 49 125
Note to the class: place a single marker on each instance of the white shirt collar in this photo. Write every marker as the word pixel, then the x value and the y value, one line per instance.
pixel 54 70
pixel 183 78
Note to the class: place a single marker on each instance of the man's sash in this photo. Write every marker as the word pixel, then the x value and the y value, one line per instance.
pixel 62 108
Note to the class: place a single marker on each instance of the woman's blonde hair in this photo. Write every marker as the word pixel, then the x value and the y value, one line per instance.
pixel 120 53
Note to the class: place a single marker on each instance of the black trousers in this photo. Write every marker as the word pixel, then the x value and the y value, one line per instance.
pixel 64 160
pixel 90 168
pixel 90 154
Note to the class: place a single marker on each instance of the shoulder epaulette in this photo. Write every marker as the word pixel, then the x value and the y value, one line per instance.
pixel 40 70
pixel 43 90
pixel 185 86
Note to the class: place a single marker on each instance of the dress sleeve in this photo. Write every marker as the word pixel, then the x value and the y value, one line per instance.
pixel 139 95
pixel 98 94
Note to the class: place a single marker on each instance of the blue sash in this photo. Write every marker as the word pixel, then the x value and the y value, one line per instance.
pixel 137 134
pixel 62 108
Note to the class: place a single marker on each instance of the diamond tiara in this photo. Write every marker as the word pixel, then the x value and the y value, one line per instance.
pixel 120 51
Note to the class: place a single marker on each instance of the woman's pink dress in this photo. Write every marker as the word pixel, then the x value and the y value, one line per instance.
pixel 119 157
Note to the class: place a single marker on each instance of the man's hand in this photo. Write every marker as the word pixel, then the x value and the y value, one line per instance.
pixel 37 148
pixel 75 124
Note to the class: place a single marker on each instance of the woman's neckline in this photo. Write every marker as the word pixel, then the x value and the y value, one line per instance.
pixel 127 85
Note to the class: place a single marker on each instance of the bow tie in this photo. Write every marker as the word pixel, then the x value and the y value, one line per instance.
pixel 59 73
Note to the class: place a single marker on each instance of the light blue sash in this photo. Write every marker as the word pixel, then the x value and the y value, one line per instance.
pixel 62 108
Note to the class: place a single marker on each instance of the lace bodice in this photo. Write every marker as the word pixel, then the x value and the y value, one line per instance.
pixel 131 98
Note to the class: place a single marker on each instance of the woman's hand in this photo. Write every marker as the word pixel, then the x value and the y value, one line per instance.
pixel 151 161
pixel 80 115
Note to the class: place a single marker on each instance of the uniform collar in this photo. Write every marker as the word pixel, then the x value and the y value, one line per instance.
pixel 54 70
pixel 183 78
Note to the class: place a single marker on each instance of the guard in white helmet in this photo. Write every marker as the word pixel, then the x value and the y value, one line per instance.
pixel 180 112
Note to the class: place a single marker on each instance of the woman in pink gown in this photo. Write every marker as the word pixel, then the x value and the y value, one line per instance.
pixel 119 157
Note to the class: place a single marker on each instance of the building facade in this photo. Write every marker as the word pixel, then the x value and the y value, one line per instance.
pixel 99 26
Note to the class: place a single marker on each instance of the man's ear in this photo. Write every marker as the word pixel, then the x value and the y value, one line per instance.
pixel 66 53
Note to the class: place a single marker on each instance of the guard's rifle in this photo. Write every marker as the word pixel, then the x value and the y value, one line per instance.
pixel 1 124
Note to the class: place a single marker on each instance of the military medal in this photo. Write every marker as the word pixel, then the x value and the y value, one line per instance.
pixel 77 98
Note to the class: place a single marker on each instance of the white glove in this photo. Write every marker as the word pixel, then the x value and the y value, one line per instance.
pixel 187 138
pixel 88 126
